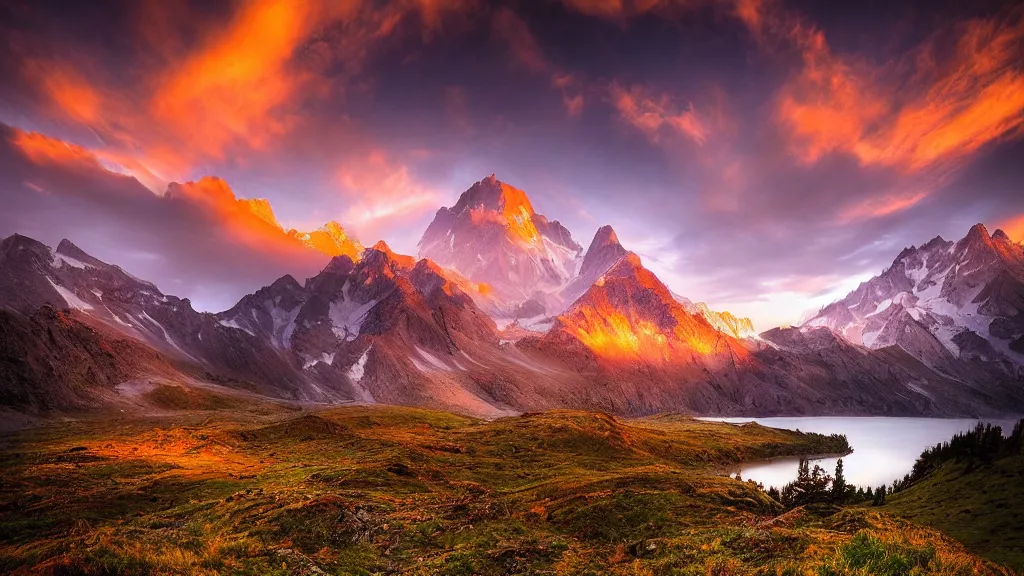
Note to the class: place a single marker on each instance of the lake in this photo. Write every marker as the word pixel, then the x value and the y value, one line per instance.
pixel 884 449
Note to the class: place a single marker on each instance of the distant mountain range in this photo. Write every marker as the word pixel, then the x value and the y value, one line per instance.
pixel 503 311
pixel 952 305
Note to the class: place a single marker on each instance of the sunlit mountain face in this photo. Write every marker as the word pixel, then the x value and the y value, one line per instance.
pixel 759 158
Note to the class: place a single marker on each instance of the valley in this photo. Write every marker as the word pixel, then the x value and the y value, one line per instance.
pixel 268 489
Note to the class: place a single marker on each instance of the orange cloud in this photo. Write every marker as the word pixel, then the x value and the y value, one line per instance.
pixel 234 87
pixel 573 104
pixel 882 206
pixel 248 221
pixel 746 10
pixel 952 106
pixel 432 12
pixel 623 8
pixel 67 91
pixel 525 52
pixel 382 193
pixel 213 89
pixel 235 216
pixel 252 221
pixel 43 150
pixel 521 43
pixel 652 114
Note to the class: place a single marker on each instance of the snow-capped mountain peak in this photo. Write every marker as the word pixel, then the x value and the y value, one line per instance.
pixel 492 235
pixel 967 296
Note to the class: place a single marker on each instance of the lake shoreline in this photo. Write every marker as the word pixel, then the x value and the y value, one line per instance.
pixel 884 448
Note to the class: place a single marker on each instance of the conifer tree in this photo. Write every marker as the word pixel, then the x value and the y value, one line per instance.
pixel 839 484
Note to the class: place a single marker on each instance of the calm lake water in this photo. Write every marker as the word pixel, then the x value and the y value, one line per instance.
pixel 884 449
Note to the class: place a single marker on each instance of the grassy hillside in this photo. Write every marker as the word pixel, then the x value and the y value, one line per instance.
pixel 981 508
pixel 376 490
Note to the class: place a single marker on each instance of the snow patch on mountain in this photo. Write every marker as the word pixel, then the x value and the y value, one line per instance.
pixel 72 300
pixel 949 289
pixel 324 358
pixel 355 374
pixel 236 325
pixel 432 362
pixel 60 259
pixel 347 315
pixel 284 324
pixel 163 331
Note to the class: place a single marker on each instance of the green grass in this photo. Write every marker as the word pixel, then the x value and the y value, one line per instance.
pixel 981 508
pixel 379 490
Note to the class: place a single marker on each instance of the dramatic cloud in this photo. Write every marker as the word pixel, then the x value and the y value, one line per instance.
pixel 651 114
pixel 925 108
pixel 224 246
pixel 761 155
pixel 383 197
pixel 525 51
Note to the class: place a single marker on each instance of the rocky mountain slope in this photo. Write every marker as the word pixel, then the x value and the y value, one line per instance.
pixel 641 350
pixel 34 275
pixel 945 303
pixel 52 360
pixel 394 329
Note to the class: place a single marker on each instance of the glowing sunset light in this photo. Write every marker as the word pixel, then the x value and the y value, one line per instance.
pixel 353 120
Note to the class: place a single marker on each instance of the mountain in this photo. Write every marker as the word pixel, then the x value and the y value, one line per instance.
pixel 396 330
pixel 385 328
pixel 389 328
pixel 256 217
pixel 628 312
pixel 945 303
pixel 639 349
pixel 330 239
pixel 723 321
pixel 88 365
pixel 493 236
pixel 604 251
pixel 32 275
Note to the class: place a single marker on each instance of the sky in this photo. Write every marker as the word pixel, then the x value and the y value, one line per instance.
pixel 763 156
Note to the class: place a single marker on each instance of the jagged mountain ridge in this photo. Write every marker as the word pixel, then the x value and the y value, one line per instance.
pixel 641 350
pixel 330 239
pixel 597 330
pixel 390 329
pixel 34 275
pixel 384 328
pixel 944 303
pixel 604 253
